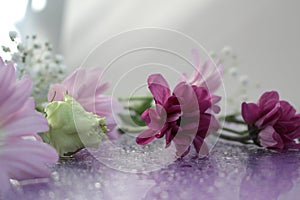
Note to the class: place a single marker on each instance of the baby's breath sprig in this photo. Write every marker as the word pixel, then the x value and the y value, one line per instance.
pixel 38 61
pixel 234 76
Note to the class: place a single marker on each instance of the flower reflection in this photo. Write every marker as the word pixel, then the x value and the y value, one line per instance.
pixel 269 175
pixel 189 178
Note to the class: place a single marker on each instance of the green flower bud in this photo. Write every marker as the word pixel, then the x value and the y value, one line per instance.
pixel 72 128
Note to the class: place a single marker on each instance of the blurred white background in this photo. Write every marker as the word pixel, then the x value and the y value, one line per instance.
pixel 263 34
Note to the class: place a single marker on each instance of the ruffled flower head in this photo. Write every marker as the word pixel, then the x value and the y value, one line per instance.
pixel 86 87
pixel 272 123
pixel 72 128
pixel 184 116
pixel 22 153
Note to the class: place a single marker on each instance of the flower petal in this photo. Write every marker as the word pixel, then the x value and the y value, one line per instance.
pixel 7 78
pixel 145 116
pixel 18 97
pixel 4 179
pixel 250 112
pixel 158 117
pixel 198 142
pixel 31 163
pixel 206 75
pixel 25 122
pixel 145 137
pixel 86 87
pixel 214 125
pixel 204 150
pixel 183 139
pixel 288 111
pixel 56 92
pixel 100 105
pixel 268 96
pixel 187 98
pixel 268 137
pixel 271 117
pixel 159 88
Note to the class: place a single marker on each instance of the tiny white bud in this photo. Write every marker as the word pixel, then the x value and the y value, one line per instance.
pixel 59 58
pixel 52 66
pixel 244 97
pixel 13 35
pixel 227 50
pixel 212 54
pixel 244 80
pixel 16 57
pixel 37 46
pixel 21 47
pixel 233 71
pixel 47 55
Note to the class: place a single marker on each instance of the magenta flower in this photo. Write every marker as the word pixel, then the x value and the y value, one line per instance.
pixel 183 117
pixel 22 153
pixel 272 123
pixel 85 86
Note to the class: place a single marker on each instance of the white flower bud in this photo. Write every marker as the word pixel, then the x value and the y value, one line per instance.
pixel 16 57
pixel 13 35
pixel 227 50
pixel 244 80
pixel 59 58
pixel 233 71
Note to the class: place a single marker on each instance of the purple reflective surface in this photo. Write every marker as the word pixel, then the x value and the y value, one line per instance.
pixel 230 172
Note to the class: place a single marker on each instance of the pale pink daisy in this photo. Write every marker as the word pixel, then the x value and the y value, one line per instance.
pixel 207 74
pixel 23 155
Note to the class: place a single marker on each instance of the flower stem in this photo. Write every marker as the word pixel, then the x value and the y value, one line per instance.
pixel 235 131
pixel 232 119
pixel 242 139
pixel 135 98
pixel 127 129
pixel 236 121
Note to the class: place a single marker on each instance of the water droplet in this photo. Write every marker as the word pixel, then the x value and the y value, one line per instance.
pixel 227 50
pixel 55 176
pixel 97 185
pixel 244 80
pixel 51 195
pixel 233 71
pixel 164 195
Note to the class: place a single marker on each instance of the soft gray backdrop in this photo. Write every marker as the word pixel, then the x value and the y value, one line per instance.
pixel 264 34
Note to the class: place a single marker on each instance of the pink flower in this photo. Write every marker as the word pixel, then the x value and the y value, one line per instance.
pixel 22 153
pixel 272 123
pixel 183 117
pixel 85 86
pixel 206 75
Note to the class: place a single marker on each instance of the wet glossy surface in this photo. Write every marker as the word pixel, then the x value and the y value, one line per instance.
pixel 230 172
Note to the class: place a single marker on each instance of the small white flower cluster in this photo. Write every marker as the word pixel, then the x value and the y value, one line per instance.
pixel 37 61
pixel 238 83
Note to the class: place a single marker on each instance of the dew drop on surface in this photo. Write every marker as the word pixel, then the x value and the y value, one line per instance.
pixel 164 195
pixel 219 184
pixel 157 190
pixel 87 177
pixel 233 71
pixel 89 187
pixel 51 195
pixel 55 176
pixel 97 185
pixel 42 193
